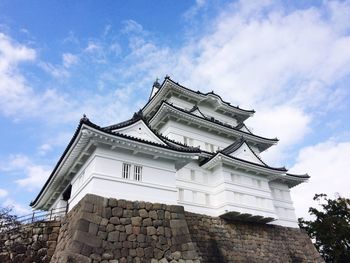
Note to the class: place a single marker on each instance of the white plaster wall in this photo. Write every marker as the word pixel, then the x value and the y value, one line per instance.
pixel 207 110
pixel 180 103
pixel 140 130
pixel 102 175
pixel 177 131
pixel 283 204
pixel 246 154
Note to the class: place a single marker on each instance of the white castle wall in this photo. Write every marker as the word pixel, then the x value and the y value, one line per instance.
pixel 102 175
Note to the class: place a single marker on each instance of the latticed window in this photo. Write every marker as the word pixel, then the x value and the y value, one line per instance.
pixel 137 172
pixel 126 170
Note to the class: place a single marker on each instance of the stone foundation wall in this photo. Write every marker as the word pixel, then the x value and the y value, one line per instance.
pixel 106 230
pixel 29 243
pixel 221 241
pixel 109 230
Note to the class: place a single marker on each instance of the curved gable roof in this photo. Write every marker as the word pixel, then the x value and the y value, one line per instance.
pixel 168 85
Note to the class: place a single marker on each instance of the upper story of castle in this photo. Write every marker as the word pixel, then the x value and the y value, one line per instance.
pixel 199 119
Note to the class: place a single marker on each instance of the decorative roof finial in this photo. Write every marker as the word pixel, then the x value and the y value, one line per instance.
pixel 167 76
pixel 84 119
pixel 156 84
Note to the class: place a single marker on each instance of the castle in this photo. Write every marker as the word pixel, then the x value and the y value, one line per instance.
pixel 183 147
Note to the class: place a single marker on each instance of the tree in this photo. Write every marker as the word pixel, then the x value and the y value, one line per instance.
pixel 7 219
pixel 330 231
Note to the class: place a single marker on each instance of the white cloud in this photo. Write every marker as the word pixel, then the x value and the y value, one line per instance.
pixel 69 59
pixel 3 193
pixel 289 124
pixel 34 175
pixel 44 148
pixel 92 47
pixel 131 26
pixel 328 165
pixel 18 209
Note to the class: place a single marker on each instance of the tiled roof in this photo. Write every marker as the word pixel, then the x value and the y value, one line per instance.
pixel 107 130
pixel 282 169
pixel 214 121
pixel 243 111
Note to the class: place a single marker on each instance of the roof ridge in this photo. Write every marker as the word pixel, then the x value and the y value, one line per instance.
pixel 282 169
pixel 208 93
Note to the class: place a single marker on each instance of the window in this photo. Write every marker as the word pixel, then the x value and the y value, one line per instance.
pixel 194 196
pixel 137 172
pixel 235 178
pixel 181 194
pixel 207 199
pixel 126 170
pixel 256 182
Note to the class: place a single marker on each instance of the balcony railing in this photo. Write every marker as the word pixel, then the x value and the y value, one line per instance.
pixel 36 216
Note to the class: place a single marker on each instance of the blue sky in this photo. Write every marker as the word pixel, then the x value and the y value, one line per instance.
pixel 60 59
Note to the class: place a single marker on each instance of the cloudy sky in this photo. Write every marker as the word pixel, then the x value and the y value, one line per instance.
pixel 289 61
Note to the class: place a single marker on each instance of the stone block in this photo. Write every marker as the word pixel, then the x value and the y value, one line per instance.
pixel 127 213
pixel 114 220
pixel 136 230
pixel 157 223
pixel 141 238
pixel 167 215
pixel 147 222
pixel 178 223
pixel 120 228
pixel 158 253
pixel 110 228
pixel 112 202
pixel 136 221
pixel 90 217
pixel 140 252
pixel 87 207
pixel 102 234
pixel 107 212
pixel 125 221
pixel 128 229
pixel 104 222
pixel 176 255
pixel 151 230
pixel 122 203
pixel 93 228
pixel 132 237
pixel 191 255
pixel 113 236
pixel 153 214
pixel 143 213
pixel 117 211
pixel 88 239
pixel 148 206
pixel 122 236
pixel 86 250
pixel 107 256
pixel 176 209
pixel 148 252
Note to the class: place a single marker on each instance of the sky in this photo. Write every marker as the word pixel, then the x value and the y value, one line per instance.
pixel 287 60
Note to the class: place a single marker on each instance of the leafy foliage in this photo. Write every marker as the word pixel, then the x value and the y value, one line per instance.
pixel 7 219
pixel 330 231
